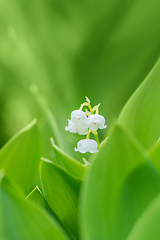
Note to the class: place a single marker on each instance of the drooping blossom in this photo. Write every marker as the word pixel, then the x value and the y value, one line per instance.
pixel 87 145
pixel 96 121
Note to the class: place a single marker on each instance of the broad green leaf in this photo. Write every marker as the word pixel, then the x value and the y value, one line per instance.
pixel 141 114
pixel 75 168
pixel 155 155
pixel 20 157
pixel 147 226
pixel 37 196
pixel 121 184
pixel 61 192
pixel 20 219
pixel 10 185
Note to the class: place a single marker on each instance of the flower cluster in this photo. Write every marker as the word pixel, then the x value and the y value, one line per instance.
pixel 85 123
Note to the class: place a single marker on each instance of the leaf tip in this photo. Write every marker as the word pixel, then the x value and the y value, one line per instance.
pixel 52 141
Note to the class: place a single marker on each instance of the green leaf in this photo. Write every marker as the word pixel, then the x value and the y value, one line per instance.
pixel 141 114
pixel 121 184
pixel 20 157
pixel 38 198
pixel 75 168
pixel 155 155
pixel 20 219
pixel 147 226
pixel 61 192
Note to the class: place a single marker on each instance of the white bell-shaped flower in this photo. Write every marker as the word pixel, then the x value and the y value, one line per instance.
pixel 96 121
pixel 73 128
pixel 87 145
pixel 79 118
pixel 78 123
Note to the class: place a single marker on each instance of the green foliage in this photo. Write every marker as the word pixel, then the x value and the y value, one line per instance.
pixel 53 54
pixel 37 196
pixel 22 220
pixel 75 168
pixel 147 226
pixel 141 113
pixel 20 157
pixel 61 192
pixel 155 155
pixel 114 197
pixel 122 182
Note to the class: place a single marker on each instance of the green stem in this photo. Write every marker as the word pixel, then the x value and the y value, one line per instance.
pixel 86 104
pixel 95 109
pixel 96 138
pixel 88 134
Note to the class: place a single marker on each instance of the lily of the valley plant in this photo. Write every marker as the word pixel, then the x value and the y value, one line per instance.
pixel 85 123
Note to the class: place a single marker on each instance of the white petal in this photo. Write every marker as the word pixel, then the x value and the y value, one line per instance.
pixel 96 118
pixel 93 126
pixel 71 127
pixel 96 121
pixel 78 115
pixel 102 126
pixel 87 145
pixel 79 121
pixel 80 124
pixel 76 128
pixel 83 130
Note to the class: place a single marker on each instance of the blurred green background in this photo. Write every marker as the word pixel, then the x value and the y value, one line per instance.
pixel 69 50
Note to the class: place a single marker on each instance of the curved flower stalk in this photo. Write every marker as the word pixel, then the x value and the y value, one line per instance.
pixel 85 123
